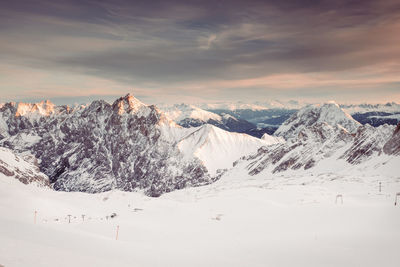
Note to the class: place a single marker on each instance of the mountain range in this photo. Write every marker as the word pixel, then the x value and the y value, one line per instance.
pixel 130 146
pixel 266 117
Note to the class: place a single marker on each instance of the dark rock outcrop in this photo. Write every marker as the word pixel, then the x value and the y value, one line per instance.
pixel 25 169
pixel 102 147
pixel 392 147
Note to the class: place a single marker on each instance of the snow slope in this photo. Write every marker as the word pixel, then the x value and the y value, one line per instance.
pixel 272 139
pixel 274 220
pixel 181 112
pixel 218 149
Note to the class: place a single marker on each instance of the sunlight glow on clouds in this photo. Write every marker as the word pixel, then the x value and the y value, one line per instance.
pixel 178 50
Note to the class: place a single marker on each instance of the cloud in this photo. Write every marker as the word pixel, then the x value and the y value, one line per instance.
pixel 183 47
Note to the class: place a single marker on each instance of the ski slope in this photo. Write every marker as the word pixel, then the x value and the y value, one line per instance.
pixel 237 221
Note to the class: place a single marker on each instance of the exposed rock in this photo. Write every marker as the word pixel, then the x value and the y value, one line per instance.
pixel 368 141
pixel 329 113
pixel 314 135
pixel 392 146
pixel 102 147
pixel 23 169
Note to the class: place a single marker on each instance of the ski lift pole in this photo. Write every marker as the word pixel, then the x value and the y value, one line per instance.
pixel 116 236
pixel 395 201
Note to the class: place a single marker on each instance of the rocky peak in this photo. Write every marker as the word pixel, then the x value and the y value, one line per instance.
pixel 100 147
pixel 8 109
pixel 329 113
pixel 127 104
pixel 44 108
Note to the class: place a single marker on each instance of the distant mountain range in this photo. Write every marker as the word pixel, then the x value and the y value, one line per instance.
pixel 130 146
pixel 260 118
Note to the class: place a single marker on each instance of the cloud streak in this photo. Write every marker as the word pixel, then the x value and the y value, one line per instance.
pixel 164 49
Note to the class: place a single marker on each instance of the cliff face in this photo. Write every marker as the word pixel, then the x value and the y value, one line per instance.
pixel 25 169
pixel 101 147
pixel 317 133
pixel 392 147
pixel 130 146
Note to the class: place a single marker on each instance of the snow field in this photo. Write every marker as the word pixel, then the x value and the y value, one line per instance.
pixel 238 221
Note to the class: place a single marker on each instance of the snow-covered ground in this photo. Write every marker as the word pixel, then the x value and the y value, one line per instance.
pixel 265 220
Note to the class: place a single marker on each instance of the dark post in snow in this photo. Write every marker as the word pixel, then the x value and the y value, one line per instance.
pixel 380 187
pixel 69 218
pixel 83 217
pixel 395 201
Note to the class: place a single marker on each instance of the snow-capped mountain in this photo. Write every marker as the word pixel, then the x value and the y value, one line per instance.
pixel 391 107
pixel 25 169
pixel 217 148
pixel 310 115
pixel 258 105
pixel 192 116
pixel 375 115
pixel 102 147
pixel 230 106
pixel 321 135
pixel 181 112
pixel 266 116
pixel 269 115
pixel 17 116
pixel 126 145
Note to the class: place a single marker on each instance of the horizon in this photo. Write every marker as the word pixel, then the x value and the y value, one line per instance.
pixel 110 99
pixel 213 51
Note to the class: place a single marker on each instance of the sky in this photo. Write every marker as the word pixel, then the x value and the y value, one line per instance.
pixel 200 51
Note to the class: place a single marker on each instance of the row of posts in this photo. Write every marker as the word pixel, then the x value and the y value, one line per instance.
pixel 69 221
pixel 117 231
